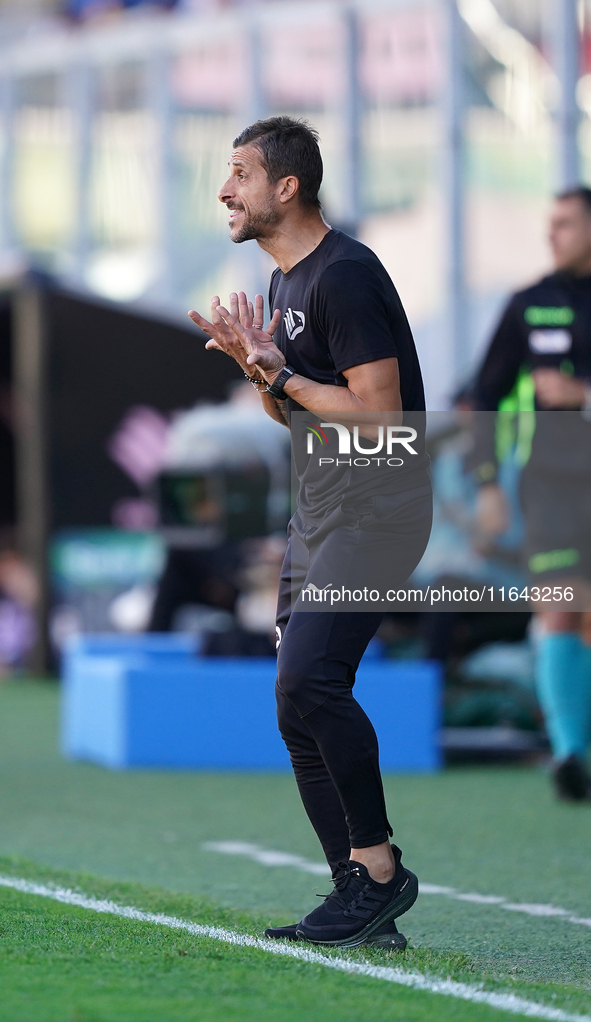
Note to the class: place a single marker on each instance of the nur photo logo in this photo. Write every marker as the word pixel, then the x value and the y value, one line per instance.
pixel 387 438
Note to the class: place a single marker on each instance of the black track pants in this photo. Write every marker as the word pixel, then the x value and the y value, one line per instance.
pixel 331 741
pixel 333 746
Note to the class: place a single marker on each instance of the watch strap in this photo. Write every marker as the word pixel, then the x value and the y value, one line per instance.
pixel 275 389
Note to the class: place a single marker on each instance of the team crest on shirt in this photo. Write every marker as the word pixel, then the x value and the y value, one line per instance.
pixel 294 323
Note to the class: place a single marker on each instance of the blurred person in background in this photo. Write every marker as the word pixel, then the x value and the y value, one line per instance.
pixel 459 553
pixel 19 593
pixel 540 360
pixel 338 339
pixel 211 476
pixel 253 633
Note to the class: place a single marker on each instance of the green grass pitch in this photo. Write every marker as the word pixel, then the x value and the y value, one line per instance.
pixel 138 837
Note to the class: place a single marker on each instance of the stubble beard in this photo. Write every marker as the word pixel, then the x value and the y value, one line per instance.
pixel 257 225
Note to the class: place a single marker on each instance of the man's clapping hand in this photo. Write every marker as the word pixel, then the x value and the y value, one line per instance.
pixel 239 333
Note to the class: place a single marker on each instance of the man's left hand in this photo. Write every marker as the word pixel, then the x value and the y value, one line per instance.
pixel 556 390
pixel 222 336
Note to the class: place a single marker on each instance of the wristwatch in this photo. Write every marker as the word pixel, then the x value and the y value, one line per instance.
pixel 275 389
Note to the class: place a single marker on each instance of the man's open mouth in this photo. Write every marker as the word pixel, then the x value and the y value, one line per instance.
pixel 234 213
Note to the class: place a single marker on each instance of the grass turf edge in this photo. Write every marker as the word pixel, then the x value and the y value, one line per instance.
pixel 455 966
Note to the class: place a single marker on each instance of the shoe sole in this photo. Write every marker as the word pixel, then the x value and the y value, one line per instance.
pixel 405 900
pixel 388 942
pixel 384 941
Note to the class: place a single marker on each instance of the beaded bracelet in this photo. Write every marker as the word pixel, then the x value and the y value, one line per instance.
pixel 255 382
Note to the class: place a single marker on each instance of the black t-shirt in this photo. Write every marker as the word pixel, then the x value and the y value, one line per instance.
pixel 340 309
pixel 547 325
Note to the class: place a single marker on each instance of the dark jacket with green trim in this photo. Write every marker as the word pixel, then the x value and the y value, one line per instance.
pixel 546 325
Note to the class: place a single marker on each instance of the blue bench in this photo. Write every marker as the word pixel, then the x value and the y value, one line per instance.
pixel 149 701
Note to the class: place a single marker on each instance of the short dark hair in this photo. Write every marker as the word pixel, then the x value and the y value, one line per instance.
pixel 288 146
pixel 580 192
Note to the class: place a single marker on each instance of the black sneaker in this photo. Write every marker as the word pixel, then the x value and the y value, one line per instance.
pixel 571 779
pixel 388 937
pixel 359 906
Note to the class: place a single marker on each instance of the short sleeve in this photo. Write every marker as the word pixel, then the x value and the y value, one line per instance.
pixel 273 283
pixel 356 315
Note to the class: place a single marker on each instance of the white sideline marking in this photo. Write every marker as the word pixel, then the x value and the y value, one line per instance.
pixel 480 899
pixel 447 987
pixel 269 858
pixel 537 910
pixel 265 857
pixel 436 889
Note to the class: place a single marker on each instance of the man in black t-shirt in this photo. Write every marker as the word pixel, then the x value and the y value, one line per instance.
pixel 338 347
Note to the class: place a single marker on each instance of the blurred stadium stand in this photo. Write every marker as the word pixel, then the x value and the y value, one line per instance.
pixel 75 365
pixel 438 121
pixel 445 127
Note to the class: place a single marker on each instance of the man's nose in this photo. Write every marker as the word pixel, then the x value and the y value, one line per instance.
pixel 225 193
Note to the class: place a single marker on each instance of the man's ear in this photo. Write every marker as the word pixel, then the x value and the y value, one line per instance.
pixel 289 187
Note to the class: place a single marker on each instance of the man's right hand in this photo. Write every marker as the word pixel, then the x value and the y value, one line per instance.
pixel 224 338
pixel 492 510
